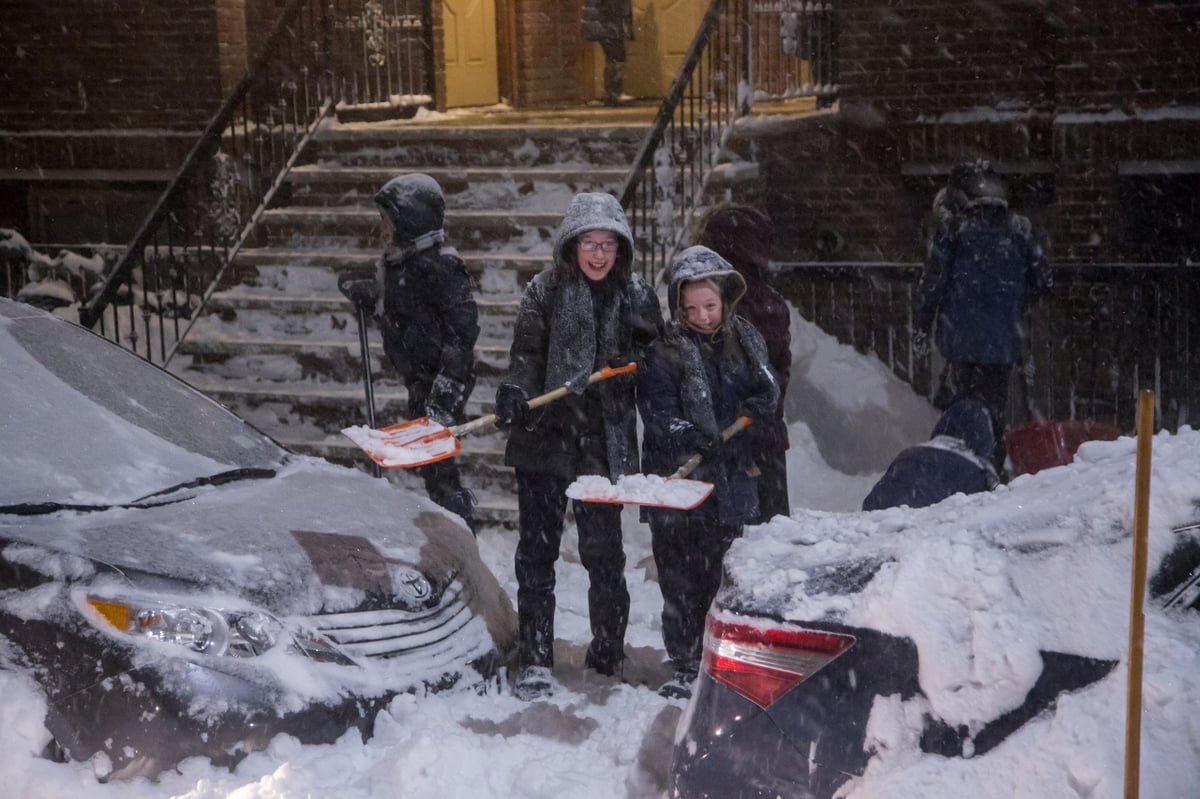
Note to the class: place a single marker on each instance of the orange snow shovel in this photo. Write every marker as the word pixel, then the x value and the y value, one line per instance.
pixel 673 491
pixel 421 441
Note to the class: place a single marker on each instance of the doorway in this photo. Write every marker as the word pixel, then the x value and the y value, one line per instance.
pixel 472 70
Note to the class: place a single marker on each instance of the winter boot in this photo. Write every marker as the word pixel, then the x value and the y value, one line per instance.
pixel 679 686
pixel 533 682
pixel 605 657
pixel 614 82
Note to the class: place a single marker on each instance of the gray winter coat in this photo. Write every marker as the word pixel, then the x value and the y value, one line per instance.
pixel 568 327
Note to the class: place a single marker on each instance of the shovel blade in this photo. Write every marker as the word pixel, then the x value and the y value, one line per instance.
pixel 405 445
pixel 648 490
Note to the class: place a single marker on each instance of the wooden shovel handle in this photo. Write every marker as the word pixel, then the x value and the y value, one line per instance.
pixel 691 463
pixel 548 397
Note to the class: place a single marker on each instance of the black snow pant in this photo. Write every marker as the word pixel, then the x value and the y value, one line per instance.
pixel 688 556
pixel 443 483
pixel 772 485
pixel 443 480
pixel 542 500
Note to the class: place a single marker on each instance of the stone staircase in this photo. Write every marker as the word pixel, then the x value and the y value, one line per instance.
pixel 279 344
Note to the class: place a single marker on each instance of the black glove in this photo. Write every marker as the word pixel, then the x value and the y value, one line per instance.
pixel 360 288
pixel 920 343
pixel 446 399
pixel 624 359
pixel 694 441
pixel 512 405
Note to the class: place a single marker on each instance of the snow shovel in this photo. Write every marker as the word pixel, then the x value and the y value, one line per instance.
pixel 422 440
pixel 652 490
pixel 363 346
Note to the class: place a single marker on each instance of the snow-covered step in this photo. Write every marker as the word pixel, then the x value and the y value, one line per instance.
pixel 436 146
pixel 525 232
pixel 548 188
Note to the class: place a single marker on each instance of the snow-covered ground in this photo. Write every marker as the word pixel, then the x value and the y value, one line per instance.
pixel 598 737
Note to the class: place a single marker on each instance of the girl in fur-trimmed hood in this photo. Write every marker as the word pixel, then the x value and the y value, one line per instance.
pixel 709 369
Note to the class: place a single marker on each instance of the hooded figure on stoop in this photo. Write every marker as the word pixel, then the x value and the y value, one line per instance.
pixel 427 315
pixel 710 368
pixel 586 312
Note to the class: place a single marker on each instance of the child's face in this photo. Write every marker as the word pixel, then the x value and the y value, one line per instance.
pixel 701 307
pixel 387 231
pixel 596 252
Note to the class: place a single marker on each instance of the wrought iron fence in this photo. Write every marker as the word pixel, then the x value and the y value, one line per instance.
pixel 1106 332
pixel 318 54
pixel 744 52
pixel 382 53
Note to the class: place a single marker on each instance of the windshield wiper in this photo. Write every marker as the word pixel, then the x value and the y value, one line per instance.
pixel 43 508
pixel 220 478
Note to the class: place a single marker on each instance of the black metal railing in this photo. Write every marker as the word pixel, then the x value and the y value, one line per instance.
pixel 210 207
pixel 382 52
pixel 743 52
pixel 320 54
pixel 1106 332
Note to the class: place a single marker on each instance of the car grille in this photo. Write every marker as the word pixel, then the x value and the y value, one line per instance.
pixel 396 632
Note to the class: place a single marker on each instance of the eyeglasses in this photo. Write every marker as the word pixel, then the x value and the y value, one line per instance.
pixel 599 246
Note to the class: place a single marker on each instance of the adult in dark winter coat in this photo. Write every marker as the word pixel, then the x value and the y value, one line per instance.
pixel 609 22
pixel 428 317
pixel 983 270
pixel 710 368
pixel 956 460
pixel 588 311
pixel 743 236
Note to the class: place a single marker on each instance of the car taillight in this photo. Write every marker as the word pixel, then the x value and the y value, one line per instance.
pixel 763 663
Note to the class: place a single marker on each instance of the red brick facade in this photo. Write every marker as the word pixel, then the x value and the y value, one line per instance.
pixel 1076 101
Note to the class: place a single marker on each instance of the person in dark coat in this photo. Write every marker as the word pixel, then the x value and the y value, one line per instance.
pixel 984 269
pixel 428 317
pixel 609 22
pixel 710 368
pixel 743 236
pixel 956 460
pixel 587 311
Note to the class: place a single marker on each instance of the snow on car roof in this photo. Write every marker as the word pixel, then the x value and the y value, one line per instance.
pixel 982 583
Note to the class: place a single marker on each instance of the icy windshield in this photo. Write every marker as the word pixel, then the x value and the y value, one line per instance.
pixel 83 421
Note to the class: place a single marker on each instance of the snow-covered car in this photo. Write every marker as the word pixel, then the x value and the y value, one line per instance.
pixel 178 584
pixel 980 641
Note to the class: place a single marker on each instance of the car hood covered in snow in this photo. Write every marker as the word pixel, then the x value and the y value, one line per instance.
pixel 314 538
pixel 981 584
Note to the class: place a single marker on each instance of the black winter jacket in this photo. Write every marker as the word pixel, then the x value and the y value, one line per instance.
pixel 983 269
pixel 430 321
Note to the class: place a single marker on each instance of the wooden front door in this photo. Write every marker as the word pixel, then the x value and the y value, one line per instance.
pixel 471 62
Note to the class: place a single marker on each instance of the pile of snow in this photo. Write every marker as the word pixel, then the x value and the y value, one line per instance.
pixel 859 413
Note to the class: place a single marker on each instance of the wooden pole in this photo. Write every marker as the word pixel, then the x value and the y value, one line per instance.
pixel 1137 620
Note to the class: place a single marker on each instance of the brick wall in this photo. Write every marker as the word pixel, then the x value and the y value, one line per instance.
pixel 548 52
pixel 76 64
pixel 1058 94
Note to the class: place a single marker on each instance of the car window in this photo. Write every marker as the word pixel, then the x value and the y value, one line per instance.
pixel 83 420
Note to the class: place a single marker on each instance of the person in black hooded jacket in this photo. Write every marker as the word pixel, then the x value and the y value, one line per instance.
pixel 710 368
pixel 587 311
pixel 428 317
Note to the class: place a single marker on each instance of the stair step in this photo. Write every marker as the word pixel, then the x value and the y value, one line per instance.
pixel 276 300
pixel 472 188
pixel 351 226
pixel 391 400
pixel 516 145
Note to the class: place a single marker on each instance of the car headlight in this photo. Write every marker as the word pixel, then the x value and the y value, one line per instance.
pixel 201 628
